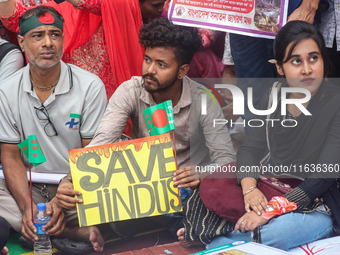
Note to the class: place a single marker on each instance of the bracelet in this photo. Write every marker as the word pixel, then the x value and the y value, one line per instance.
pixel 250 190
pixel 3 1
pixel 65 177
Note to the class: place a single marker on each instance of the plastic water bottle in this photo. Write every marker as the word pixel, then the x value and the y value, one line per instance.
pixel 43 246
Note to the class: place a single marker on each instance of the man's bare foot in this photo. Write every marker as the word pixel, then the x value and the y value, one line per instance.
pixel 180 234
pixel 4 251
pixel 86 234
pixel 96 239
pixel 187 243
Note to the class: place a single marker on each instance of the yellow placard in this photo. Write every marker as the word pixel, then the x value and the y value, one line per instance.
pixel 125 180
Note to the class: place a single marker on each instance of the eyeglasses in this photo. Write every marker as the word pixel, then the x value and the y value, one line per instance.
pixel 42 114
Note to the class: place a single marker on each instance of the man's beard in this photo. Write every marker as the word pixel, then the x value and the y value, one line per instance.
pixel 40 65
pixel 161 87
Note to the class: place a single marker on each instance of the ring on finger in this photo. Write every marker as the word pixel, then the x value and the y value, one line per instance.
pixel 243 223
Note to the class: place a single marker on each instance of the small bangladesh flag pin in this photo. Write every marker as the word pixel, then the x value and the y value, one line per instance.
pixel 159 118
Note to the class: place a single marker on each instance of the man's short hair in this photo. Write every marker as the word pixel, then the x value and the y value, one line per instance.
pixel 163 33
pixel 38 11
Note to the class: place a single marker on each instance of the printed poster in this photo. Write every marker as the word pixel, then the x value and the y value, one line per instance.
pixel 243 248
pixel 258 18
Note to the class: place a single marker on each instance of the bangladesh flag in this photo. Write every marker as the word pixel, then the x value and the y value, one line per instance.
pixel 159 118
pixel 31 148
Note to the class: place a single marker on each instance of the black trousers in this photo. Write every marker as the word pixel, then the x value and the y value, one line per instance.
pixel 4 232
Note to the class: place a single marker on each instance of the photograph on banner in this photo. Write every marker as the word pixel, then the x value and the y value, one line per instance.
pixel 259 18
pixel 125 180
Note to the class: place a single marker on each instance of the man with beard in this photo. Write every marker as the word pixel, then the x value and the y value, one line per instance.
pixel 168 52
pixel 58 103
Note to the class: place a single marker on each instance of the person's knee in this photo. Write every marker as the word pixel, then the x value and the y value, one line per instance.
pixel 9 209
pixel 11 221
pixel 292 229
pixel 277 240
pixel 279 231
pixel 218 241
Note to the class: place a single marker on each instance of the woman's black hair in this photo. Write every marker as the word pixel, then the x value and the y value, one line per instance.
pixel 293 33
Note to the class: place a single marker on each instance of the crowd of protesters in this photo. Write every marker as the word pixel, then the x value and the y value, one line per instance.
pixel 106 61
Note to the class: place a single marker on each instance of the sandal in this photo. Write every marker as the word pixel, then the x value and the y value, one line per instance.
pixel 25 243
pixel 71 246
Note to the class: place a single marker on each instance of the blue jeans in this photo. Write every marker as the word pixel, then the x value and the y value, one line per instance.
pixel 286 231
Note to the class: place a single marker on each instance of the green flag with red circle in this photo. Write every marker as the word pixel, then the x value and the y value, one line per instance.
pixel 31 148
pixel 159 118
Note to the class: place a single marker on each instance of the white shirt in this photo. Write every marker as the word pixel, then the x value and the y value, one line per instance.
pixel 78 93
pixel 12 62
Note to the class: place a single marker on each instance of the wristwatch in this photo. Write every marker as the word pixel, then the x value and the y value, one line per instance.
pixel 66 177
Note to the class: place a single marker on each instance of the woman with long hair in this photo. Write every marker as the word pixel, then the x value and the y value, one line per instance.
pixel 304 137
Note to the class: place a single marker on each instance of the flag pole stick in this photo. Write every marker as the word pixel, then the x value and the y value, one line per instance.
pixel 29 167
pixel 173 138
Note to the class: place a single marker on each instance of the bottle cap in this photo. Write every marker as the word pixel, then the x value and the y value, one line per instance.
pixel 41 207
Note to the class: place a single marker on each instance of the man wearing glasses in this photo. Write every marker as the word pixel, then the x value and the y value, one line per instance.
pixel 61 104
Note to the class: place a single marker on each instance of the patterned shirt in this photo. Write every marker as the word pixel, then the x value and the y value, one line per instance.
pixel 330 20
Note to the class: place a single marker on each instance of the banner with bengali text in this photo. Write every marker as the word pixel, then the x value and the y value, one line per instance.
pixel 258 18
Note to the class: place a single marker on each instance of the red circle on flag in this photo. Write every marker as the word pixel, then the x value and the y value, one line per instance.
pixel 159 118
pixel 46 18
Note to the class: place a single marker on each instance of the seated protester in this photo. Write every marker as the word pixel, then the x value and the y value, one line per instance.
pixel 11 59
pixel 301 59
pixel 4 235
pixel 60 104
pixel 95 30
pixel 168 52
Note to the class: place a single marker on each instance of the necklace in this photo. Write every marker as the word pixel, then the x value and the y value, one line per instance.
pixel 289 116
pixel 43 88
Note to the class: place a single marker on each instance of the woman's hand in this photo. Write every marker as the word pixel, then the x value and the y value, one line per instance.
pixel 7 8
pixel 75 3
pixel 249 221
pixel 255 200
pixel 253 197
